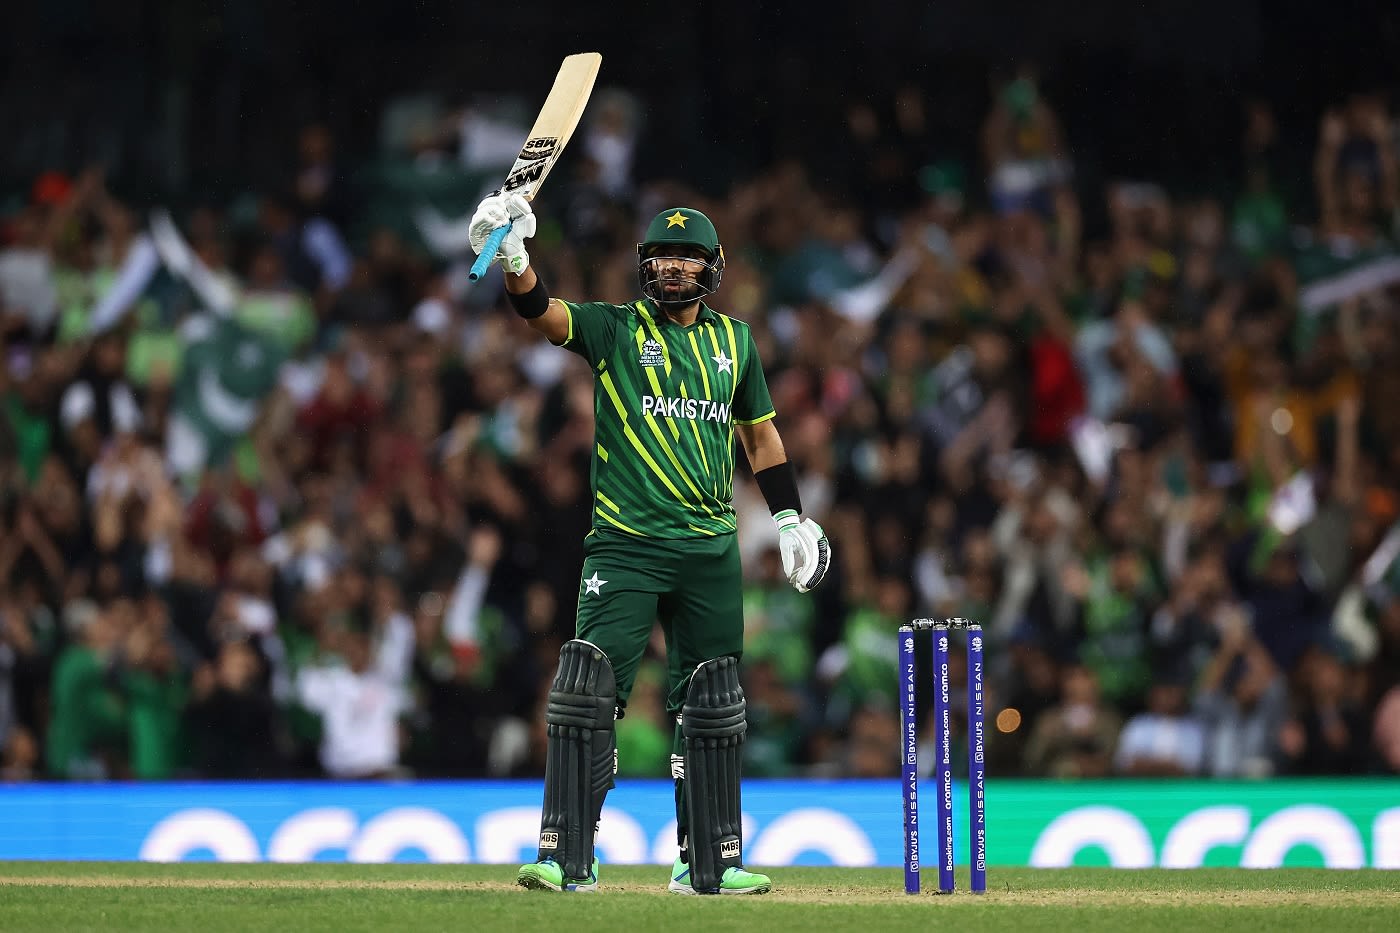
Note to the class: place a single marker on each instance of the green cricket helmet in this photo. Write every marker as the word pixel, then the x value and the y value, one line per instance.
pixel 673 234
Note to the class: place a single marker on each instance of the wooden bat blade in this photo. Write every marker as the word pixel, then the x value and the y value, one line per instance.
pixel 557 120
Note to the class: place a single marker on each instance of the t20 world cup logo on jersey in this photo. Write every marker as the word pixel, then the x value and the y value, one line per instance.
pixel 653 354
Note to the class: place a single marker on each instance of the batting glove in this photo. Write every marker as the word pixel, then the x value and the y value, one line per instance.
pixel 805 551
pixel 499 210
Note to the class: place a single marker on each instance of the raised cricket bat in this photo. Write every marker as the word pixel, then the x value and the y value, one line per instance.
pixel 548 137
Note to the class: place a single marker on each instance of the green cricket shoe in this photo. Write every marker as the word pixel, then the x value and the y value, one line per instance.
pixel 735 881
pixel 548 875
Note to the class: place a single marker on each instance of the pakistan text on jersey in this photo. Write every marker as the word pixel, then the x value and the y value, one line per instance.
pixel 692 409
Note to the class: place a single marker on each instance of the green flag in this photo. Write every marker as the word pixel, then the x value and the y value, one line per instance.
pixel 229 368
pixel 1331 272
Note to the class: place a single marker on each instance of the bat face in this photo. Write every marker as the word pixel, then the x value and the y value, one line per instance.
pixel 548 137
pixel 541 148
pixel 554 125
pixel 534 161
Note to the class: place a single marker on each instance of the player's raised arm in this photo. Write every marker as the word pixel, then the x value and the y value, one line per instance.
pixel 523 287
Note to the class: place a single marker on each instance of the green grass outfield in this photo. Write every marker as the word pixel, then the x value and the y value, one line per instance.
pixel 206 897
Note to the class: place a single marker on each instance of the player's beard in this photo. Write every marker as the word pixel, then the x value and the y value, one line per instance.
pixel 677 291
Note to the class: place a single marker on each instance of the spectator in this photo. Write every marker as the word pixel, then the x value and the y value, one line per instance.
pixel 777 711
pixel 14 644
pixel 336 411
pixel 19 757
pixel 1242 699
pixel 28 292
pixel 874 730
pixel 231 718
pixel 1165 740
pixel 862 668
pixel 1387 731
pixel 87 725
pixel 153 687
pixel 1271 578
pixel 359 709
pixel 1023 146
pixel 320 184
pixel 1327 731
pixel 1117 594
pixel 1076 738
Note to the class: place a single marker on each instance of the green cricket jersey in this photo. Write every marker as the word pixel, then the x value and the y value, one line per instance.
pixel 666 399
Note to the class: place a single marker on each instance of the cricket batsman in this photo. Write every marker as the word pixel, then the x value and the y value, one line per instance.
pixel 675 381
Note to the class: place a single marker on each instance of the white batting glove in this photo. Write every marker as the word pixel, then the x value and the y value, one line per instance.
pixel 805 551
pixel 497 211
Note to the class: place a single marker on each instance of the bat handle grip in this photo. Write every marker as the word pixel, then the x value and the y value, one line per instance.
pixel 488 252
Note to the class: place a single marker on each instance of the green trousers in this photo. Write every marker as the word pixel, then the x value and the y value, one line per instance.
pixel 692 588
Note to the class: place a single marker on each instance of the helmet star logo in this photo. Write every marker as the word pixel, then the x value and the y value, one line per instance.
pixel 676 220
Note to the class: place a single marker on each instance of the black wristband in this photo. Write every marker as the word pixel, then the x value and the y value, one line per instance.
pixel 779 487
pixel 531 304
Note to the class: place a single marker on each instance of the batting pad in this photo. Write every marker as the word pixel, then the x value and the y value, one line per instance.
pixel 581 758
pixel 713 726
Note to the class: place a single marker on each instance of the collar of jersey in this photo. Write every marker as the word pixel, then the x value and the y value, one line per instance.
pixel 705 315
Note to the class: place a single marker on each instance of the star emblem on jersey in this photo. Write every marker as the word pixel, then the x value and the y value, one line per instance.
pixel 676 220
pixel 723 362
pixel 594 584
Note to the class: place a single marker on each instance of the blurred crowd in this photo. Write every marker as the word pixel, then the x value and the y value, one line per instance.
pixel 284 495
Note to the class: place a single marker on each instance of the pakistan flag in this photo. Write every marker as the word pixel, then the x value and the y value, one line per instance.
pixel 1331 272
pixel 231 364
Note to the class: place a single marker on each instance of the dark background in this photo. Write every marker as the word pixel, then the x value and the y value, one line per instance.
pixel 177 96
